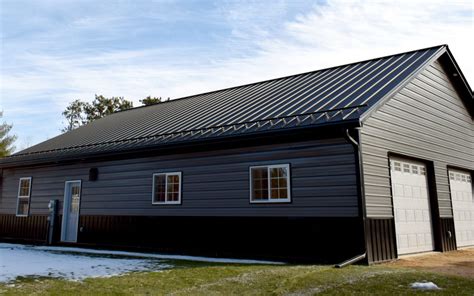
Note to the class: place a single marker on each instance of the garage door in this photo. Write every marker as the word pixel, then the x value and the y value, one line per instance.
pixel 411 206
pixel 463 207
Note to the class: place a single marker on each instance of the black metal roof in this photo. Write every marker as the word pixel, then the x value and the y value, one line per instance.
pixel 329 96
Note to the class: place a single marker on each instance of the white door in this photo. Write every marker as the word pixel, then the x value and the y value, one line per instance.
pixel 411 204
pixel 72 202
pixel 460 183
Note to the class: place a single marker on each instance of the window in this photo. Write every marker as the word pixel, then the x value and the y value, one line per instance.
pixel 24 193
pixel 414 169
pixel 422 170
pixel 397 166
pixel 406 168
pixel 167 188
pixel 270 183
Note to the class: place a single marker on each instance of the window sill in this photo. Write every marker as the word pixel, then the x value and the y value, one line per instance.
pixel 269 201
pixel 166 203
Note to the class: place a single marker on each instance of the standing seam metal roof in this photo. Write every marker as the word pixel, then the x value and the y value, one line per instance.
pixel 327 96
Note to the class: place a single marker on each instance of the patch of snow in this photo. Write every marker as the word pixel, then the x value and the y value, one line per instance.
pixel 79 263
pixel 27 261
pixel 424 286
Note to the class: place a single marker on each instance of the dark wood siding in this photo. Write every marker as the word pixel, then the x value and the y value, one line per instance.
pixel 448 235
pixel 32 228
pixel 215 183
pixel 427 120
pixel 381 245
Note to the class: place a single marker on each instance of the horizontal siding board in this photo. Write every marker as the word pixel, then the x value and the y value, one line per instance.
pixel 381 138
pixel 401 124
pixel 323 182
pixel 217 203
pixel 411 94
pixel 259 210
pixel 427 120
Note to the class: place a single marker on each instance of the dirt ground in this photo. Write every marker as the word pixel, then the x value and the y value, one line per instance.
pixel 459 262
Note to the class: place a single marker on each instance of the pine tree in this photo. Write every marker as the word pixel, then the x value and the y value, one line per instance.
pixel 6 140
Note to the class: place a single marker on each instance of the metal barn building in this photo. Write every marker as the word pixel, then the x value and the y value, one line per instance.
pixel 374 158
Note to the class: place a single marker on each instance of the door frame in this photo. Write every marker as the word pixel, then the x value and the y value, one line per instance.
pixel 64 218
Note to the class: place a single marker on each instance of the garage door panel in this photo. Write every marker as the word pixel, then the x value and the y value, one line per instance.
pixel 460 183
pixel 411 206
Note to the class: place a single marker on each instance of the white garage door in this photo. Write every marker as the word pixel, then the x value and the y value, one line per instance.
pixel 463 207
pixel 411 206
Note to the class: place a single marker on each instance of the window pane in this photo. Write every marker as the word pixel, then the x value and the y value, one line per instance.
pixel 274 183
pixel 274 194
pixel 170 187
pixel 173 196
pixel 25 187
pixel 279 183
pixel 160 190
pixel 176 187
pixel 173 188
pixel 260 194
pixel 283 193
pixel 259 183
pixel 278 172
pixel 23 205
pixel 282 183
pixel 173 179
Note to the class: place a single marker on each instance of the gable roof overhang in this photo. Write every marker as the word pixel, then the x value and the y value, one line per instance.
pixel 457 78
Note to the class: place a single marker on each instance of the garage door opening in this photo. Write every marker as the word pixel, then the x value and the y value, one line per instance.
pixel 411 203
pixel 460 183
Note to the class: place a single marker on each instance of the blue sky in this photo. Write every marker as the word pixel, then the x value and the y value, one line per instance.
pixel 53 52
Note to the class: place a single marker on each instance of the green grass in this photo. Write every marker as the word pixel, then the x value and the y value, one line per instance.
pixel 221 279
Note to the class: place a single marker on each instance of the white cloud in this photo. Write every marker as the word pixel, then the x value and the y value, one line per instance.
pixel 255 49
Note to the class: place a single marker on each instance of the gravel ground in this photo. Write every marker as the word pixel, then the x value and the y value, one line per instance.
pixel 460 263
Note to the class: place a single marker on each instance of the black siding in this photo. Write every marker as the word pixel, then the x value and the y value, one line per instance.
pixel 448 237
pixel 324 240
pixel 381 245
pixel 32 228
pixel 215 183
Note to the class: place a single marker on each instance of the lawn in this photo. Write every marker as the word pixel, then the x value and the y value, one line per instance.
pixel 188 278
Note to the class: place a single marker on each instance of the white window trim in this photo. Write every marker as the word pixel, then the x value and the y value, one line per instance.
pixel 178 202
pixel 274 200
pixel 23 197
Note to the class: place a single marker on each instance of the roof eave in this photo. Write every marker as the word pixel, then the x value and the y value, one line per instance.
pixel 89 156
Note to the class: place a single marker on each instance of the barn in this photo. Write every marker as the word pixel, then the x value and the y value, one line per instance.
pixel 373 158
